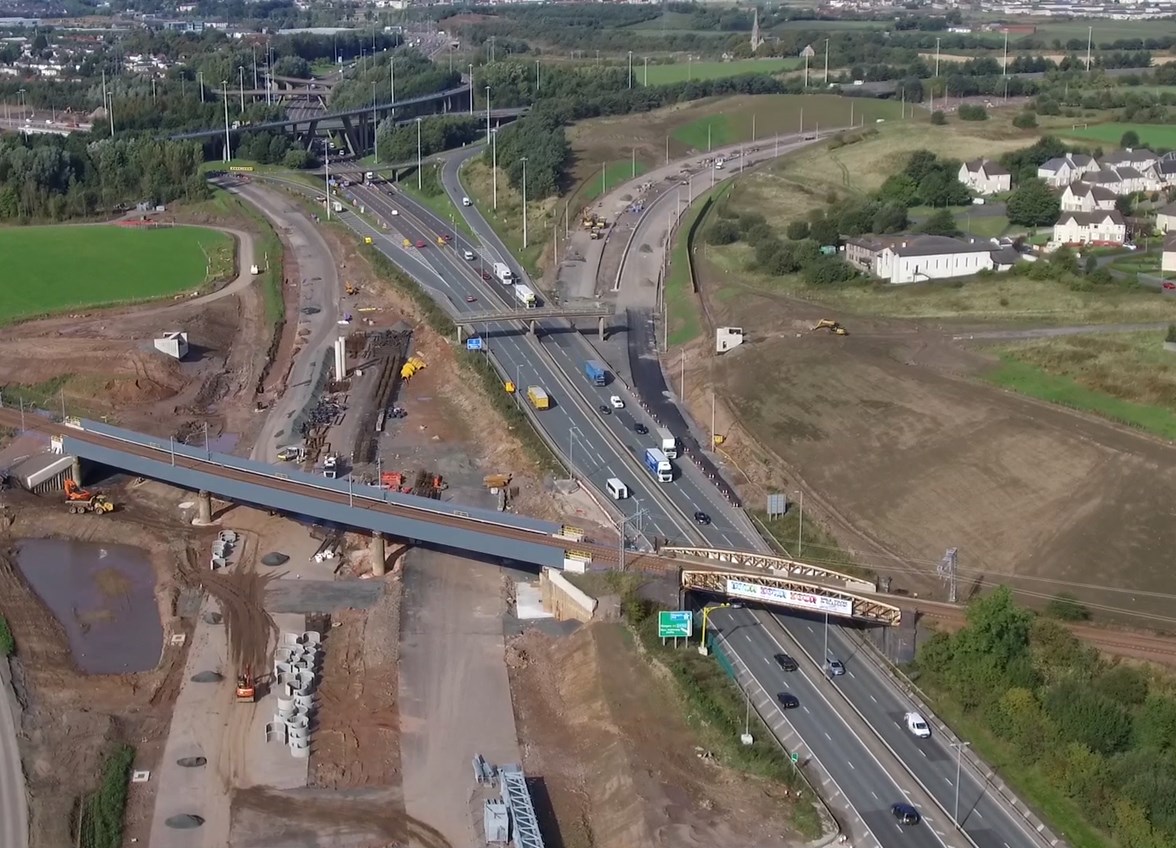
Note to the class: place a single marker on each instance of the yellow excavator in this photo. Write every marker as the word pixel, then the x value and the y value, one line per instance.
pixel 81 501
pixel 832 326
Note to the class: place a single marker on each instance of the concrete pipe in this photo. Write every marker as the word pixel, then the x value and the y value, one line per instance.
pixel 312 637
pixel 229 536
pixel 305 703
pixel 301 667
pixel 281 668
pixel 217 562
pixel 303 679
pixel 300 752
pixel 285 706
pixel 283 655
pixel 299 725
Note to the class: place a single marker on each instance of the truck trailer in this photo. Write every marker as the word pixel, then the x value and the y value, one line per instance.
pixel 503 273
pixel 659 465
pixel 669 445
pixel 525 296
pixel 595 373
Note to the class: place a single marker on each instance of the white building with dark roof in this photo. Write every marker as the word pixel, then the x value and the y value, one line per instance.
pixel 1094 228
pixel 913 259
pixel 984 176
pixel 1084 197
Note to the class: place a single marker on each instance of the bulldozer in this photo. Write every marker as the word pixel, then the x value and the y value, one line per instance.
pixel 832 326
pixel 81 501
pixel 246 687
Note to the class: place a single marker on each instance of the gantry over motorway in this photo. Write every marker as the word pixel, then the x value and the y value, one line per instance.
pixel 481 532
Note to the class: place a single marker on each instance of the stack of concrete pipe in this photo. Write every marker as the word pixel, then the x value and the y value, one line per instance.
pixel 296 669
pixel 222 548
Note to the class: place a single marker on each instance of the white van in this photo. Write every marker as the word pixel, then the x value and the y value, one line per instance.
pixel 465 201
pixel 616 489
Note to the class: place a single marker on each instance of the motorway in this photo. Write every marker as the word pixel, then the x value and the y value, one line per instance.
pixel 14 822
pixel 867 751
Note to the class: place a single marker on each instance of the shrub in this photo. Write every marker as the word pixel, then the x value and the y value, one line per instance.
pixel 102 817
pixel 1171 337
pixel 973 112
pixel 1025 121
pixel 7 643
pixel 797 230
pixel 723 231
pixel 1065 607
pixel 938 118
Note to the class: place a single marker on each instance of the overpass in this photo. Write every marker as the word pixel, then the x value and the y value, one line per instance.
pixel 532 317
pixel 352 122
pixel 382 513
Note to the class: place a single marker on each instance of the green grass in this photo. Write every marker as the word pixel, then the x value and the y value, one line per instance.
pixel 433 194
pixel 614 174
pixel 102 811
pixel 267 246
pixel 1064 816
pixel 685 71
pixel 969 223
pixel 1064 391
pixel 1156 135
pixel 783 113
pixel 507 219
pixel 822 26
pixel 817 546
pixel 7 643
pixel 51 269
pixel 682 308
pixel 1104 30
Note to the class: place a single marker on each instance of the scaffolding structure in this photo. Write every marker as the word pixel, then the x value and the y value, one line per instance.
pixel 524 823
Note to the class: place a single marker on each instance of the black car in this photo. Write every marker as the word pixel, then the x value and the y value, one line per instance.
pixel 640 429
pixel 905 814
pixel 788 701
pixel 604 410
pixel 786 662
pixel 701 517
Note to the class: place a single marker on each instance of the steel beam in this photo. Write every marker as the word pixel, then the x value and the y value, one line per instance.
pixel 863 608
pixel 768 562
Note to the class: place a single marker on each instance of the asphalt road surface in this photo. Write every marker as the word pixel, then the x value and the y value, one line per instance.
pixel 986 819
pixel 14 823
pixel 863 771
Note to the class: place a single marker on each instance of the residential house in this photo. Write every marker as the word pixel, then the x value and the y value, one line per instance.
pixel 1095 228
pixel 918 258
pixel 1084 197
pixel 862 251
pixel 1107 178
pixel 984 176
pixel 1166 218
pixel 1166 171
pixel 1168 257
pixel 1142 159
pixel 1066 169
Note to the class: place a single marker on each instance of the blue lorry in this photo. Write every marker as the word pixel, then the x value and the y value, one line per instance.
pixel 595 372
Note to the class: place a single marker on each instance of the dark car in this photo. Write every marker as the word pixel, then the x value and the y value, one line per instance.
pixel 788 701
pixel 905 814
pixel 640 429
pixel 701 517
pixel 486 276
pixel 786 662
pixel 604 410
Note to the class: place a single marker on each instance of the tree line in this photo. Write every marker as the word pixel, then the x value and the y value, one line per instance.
pixel 415 76
pixel 54 178
pixel 1101 733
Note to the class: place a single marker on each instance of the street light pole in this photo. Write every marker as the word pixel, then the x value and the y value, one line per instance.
pixel 630 69
pixel 494 165
pixel 419 182
pixel 524 161
pixel 471 88
pixel 487 112
pixel 375 129
pixel 241 85
pixel 959 746
pixel 800 526
pixel 225 98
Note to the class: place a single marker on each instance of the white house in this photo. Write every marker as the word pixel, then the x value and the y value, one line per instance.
pixel 1066 169
pixel 984 176
pixel 919 258
pixel 1142 160
pixel 1084 197
pixel 1097 228
pixel 1168 257
pixel 1166 218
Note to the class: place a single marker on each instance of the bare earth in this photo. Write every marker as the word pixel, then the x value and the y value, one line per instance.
pixel 606 741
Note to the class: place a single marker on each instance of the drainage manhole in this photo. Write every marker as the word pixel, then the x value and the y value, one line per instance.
pixel 191 762
pixel 207 677
pixel 213 618
pixel 185 821
pixel 274 558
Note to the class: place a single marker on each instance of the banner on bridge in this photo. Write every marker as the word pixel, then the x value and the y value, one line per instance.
pixel 789 597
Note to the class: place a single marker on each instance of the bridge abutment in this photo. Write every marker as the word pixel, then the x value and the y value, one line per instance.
pixel 75 470
pixel 203 508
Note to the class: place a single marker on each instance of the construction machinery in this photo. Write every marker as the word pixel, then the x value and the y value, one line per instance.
pixel 414 364
pixel 832 326
pixel 351 289
pixel 81 501
pixel 246 687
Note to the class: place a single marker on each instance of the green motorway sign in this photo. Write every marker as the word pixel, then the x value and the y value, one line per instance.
pixel 675 624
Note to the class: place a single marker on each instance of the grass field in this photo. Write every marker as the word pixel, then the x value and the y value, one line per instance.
pixel 681 303
pixel 1127 377
pixel 1104 30
pixel 607 178
pixel 782 113
pixel 51 269
pixel 507 220
pixel 1155 135
pixel 685 71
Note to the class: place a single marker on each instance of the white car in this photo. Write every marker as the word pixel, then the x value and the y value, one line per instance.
pixel 616 402
pixel 917 725
pixel 465 201
pixel 468 254
pixel 395 212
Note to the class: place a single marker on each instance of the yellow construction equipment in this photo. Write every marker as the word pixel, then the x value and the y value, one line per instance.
pixel 81 501
pixel 509 387
pixel 496 481
pixel 351 288
pixel 414 364
pixel 832 326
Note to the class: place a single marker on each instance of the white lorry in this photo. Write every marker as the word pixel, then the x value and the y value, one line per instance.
pixel 525 296
pixel 503 273
pixel 669 445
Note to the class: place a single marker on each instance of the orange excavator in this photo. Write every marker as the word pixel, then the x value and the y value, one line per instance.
pixel 246 687
pixel 81 501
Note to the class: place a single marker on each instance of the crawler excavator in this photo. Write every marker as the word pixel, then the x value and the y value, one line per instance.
pixel 246 687
pixel 832 326
pixel 81 501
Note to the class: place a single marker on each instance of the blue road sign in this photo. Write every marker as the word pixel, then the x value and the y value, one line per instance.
pixel 474 344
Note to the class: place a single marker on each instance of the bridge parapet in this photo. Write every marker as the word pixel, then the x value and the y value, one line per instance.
pixel 795 594
pixel 753 561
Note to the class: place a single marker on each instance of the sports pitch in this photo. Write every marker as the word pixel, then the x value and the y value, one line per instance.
pixel 56 268
pixel 1155 135
pixel 684 71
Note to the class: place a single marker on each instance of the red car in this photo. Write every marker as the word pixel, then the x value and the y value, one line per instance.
pixel 486 276
pixel 1169 286
pixel 421 243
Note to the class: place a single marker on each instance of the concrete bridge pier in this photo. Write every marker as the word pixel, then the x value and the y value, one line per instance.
pixel 378 555
pixel 203 508
pixel 602 330
pixel 75 470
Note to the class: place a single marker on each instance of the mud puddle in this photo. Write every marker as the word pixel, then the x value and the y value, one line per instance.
pixel 104 597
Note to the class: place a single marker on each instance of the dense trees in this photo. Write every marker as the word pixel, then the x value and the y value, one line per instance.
pixel 49 178
pixel 443 132
pixel 415 75
pixel 926 180
pixel 538 137
pixel 1104 734
pixel 1032 204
